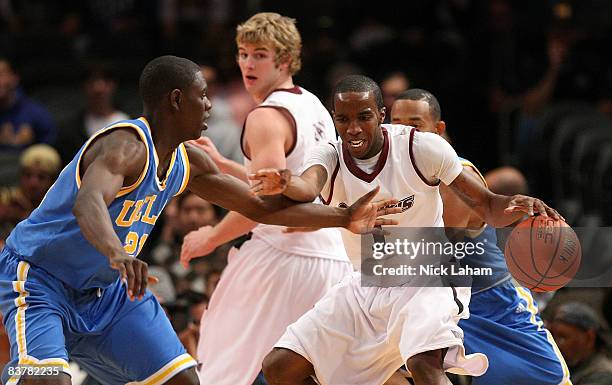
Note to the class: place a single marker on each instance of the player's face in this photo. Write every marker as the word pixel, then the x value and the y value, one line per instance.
pixel 414 113
pixel 194 212
pixel 260 73
pixel 357 119
pixel 35 182
pixel 197 107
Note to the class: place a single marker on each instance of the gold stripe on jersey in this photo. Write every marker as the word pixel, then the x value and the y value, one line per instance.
pixel 469 164
pixel 187 169
pixel 124 190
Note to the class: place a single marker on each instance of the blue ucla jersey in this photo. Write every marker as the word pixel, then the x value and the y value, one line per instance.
pixel 492 256
pixel 50 237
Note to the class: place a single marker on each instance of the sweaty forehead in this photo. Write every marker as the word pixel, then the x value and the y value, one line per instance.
pixel 354 96
pixel 199 80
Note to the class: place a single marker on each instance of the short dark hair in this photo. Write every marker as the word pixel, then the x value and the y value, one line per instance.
pixel 425 96
pixel 359 83
pixel 164 74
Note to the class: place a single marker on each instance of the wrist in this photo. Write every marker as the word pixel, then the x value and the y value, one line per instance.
pixel 346 220
pixel 214 237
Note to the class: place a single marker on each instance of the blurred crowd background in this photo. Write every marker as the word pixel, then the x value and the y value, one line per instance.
pixel 522 84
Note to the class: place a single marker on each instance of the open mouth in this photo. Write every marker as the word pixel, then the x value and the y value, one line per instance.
pixel 356 143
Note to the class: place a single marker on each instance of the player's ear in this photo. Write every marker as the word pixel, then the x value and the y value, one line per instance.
pixel 383 113
pixel 284 62
pixel 175 99
pixel 441 127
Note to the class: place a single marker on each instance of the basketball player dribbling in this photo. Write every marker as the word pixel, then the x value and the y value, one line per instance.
pixel 392 326
pixel 503 322
pixel 274 277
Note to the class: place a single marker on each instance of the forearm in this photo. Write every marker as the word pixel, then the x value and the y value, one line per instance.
pixel 301 190
pixel 306 215
pixel 231 227
pixel 495 214
pixel 95 223
pixel 235 169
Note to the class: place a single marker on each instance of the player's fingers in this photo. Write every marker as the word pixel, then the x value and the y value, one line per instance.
pixel 256 186
pixel 122 272
pixel 530 208
pixel 541 208
pixel 144 279
pixel 385 202
pixel 137 267
pixel 385 222
pixel 389 211
pixel 152 280
pixel 513 208
pixel 129 271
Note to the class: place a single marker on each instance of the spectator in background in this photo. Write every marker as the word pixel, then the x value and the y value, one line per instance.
pixel 99 86
pixel 578 332
pixel 391 86
pixel 23 122
pixel 223 129
pixel 506 181
pixel 39 167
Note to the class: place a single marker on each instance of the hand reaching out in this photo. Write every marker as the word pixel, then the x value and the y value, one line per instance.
pixel 270 181
pixel 197 244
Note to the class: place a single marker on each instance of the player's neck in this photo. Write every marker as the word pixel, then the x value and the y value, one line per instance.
pixel 283 83
pixel 164 139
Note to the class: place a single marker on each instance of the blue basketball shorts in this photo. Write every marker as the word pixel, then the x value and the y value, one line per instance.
pixel 505 326
pixel 112 338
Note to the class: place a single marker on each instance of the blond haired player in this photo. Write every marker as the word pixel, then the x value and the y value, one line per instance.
pixel 274 277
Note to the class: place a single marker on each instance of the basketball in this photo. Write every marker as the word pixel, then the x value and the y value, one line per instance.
pixel 543 254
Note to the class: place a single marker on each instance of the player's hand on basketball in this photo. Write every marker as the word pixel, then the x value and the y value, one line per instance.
pixel 205 144
pixel 134 274
pixel 197 244
pixel 531 206
pixel 365 214
pixel 270 181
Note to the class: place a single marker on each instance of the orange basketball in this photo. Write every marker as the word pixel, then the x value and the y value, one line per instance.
pixel 543 254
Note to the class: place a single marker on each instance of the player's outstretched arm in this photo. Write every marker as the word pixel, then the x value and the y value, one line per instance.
pixel 229 192
pixel 108 162
pixel 303 188
pixel 497 210
pixel 225 165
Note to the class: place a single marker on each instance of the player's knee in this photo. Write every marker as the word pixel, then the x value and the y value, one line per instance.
pixel 427 366
pixel 186 377
pixel 273 365
pixel 282 366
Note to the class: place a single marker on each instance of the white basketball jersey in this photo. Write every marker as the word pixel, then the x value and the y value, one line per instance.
pixel 312 125
pixel 398 177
